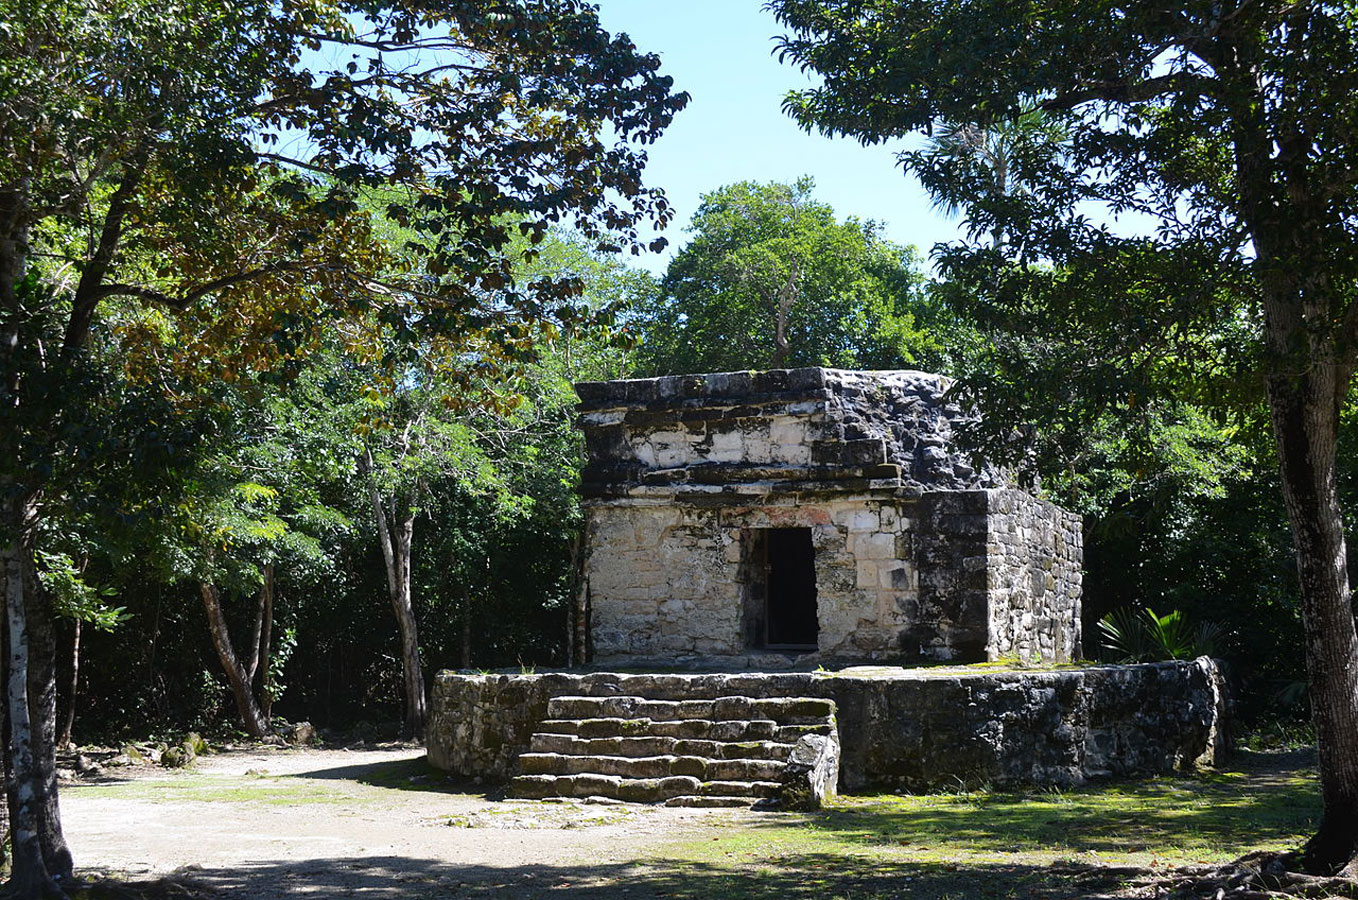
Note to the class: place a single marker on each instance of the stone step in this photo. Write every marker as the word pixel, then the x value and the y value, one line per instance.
pixel 760 789
pixel 570 745
pixel 717 751
pixel 728 731
pixel 732 770
pixel 692 800
pixel 698 687
pixel 637 790
pixel 783 710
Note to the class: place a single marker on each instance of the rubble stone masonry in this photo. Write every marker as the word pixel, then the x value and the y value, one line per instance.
pixel 918 554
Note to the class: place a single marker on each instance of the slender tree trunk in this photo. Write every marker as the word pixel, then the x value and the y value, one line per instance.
pixel 467 633
pixel 40 860
pixel 783 302
pixel 266 592
pixel 68 720
pixel 252 665
pixel 250 715
pixel 575 615
pixel 582 647
pixel 395 536
pixel 42 704
pixel 403 606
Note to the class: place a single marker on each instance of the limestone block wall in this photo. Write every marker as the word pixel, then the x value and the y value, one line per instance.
pixel 999 576
pixel 912 729
pixel 662 582
pixel 1037 553
pixel 669 581
pixel 949 575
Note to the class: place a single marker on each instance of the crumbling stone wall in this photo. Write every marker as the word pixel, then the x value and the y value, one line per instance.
pixel 955 575
pixel 919 555
pixel 999 577
pixel 1037 550
pixel 909 729
pixel 762 432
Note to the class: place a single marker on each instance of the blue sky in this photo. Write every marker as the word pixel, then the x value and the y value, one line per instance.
pixel 734 129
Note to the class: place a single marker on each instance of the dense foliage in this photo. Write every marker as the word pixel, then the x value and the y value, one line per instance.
pixel 772 279
pixel 220 188
pixel 1229 129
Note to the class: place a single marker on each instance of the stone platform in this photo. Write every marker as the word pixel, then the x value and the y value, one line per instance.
pixel 898 729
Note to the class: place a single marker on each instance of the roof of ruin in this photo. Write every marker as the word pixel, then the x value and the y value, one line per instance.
pixel 785 429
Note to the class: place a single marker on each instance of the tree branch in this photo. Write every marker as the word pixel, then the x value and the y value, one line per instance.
pixel 1133 92
pixel 87 291
pixel 188 299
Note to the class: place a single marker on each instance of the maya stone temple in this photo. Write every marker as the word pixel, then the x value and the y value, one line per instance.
pixel 816 512
pixel 787 575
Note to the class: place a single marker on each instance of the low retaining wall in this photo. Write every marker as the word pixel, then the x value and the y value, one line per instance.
pixel 911 729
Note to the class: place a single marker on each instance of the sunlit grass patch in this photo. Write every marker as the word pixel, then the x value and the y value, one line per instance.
pixel 274 791
pixel 1023 839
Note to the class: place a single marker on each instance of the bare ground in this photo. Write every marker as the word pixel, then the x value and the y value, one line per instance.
pixel 263 824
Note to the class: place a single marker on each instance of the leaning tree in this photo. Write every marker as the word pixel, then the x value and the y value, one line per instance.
pixel 217 183
pixel 1225 136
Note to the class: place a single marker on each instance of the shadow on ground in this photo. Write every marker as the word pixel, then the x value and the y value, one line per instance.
pixel 811 877
pixel 414 774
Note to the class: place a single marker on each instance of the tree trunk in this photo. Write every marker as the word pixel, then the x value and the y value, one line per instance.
pixel 266 593
pixel 42 705
pixel 68 721
pixel 402 604
pixel 1305 411
pixel 40 860
pixel 467 633
pixel 783 302
pixel 395 536
pixel 250 715
pixel 575 617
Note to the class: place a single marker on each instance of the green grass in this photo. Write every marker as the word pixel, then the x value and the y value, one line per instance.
pixel 999 845
pixel 273 791
pixel 1170 819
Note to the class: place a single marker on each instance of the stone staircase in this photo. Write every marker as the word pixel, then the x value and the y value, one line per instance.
pixel 729 751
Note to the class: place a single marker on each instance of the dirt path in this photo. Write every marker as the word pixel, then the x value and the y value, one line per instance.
pixel 333 823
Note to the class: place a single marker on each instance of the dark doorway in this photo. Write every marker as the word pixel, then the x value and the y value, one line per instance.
pixel 790 580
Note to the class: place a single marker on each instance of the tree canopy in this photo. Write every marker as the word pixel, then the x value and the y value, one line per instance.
pixel 220 185
pixel 1225 132
pixel 772 278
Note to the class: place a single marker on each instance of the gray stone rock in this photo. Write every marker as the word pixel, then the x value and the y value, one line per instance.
pixel 301 733
pixel 811 775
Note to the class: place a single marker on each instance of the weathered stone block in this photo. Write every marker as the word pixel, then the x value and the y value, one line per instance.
pixel 811 775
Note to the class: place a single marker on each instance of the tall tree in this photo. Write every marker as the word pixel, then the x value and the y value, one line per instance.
pixel 411 437
pixel 244 512
pixel 772 278
pixel 1229 128
pixel 209 161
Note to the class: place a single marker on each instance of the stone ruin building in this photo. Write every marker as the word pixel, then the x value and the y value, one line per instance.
pixel 742 525
pixel 818 515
